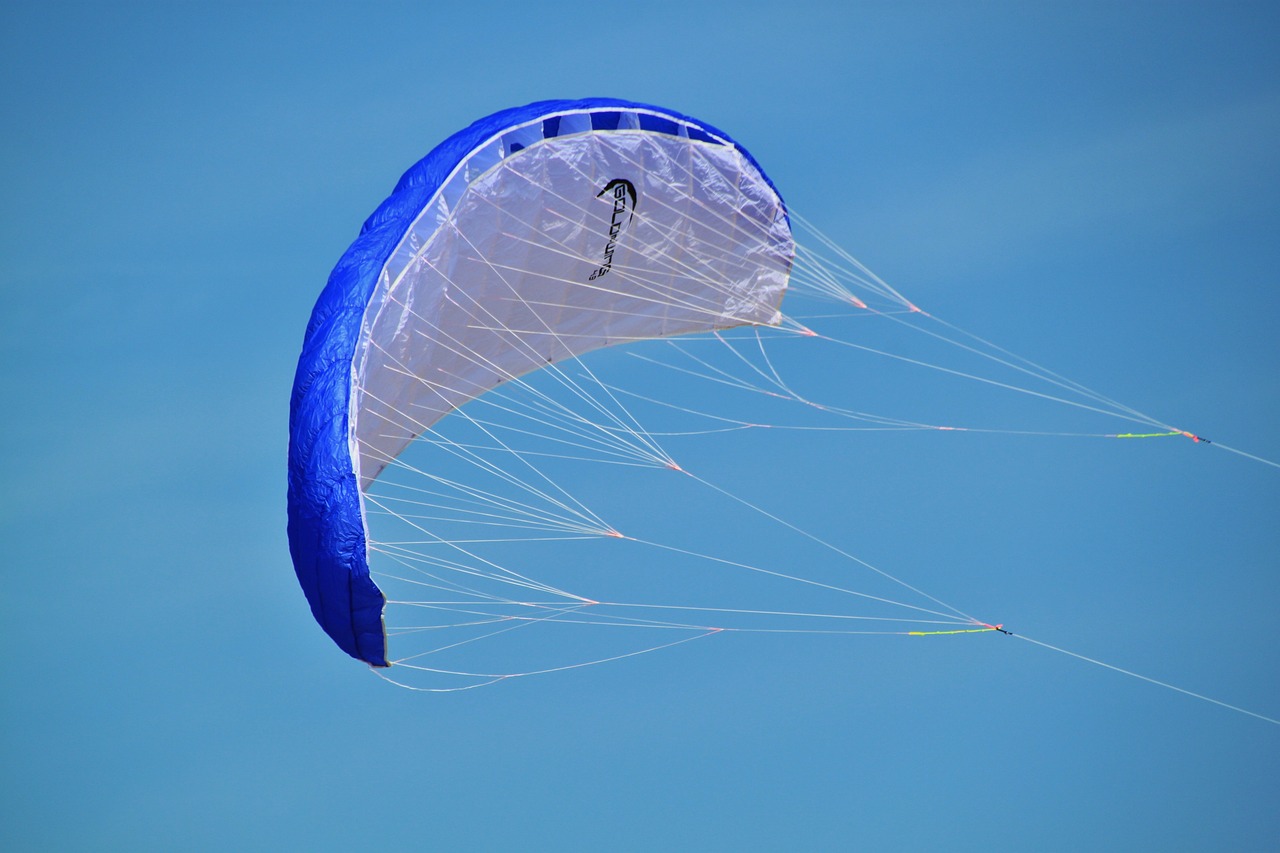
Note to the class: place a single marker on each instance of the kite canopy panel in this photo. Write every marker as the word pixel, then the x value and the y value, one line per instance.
pixel 533 236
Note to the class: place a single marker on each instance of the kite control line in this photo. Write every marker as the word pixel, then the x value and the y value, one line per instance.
pixel 1189 435
pixel 983 630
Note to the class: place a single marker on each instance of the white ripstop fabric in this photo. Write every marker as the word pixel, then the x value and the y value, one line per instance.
pixel 548 255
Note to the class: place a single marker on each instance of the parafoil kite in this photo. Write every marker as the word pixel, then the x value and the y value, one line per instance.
pixel 515 248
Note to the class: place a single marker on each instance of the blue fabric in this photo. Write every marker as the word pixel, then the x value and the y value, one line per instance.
pixel 326 528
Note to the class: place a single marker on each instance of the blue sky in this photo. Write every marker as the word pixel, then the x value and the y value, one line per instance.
pixel 1093 186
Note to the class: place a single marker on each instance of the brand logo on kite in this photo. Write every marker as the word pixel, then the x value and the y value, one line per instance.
pixel 622 193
